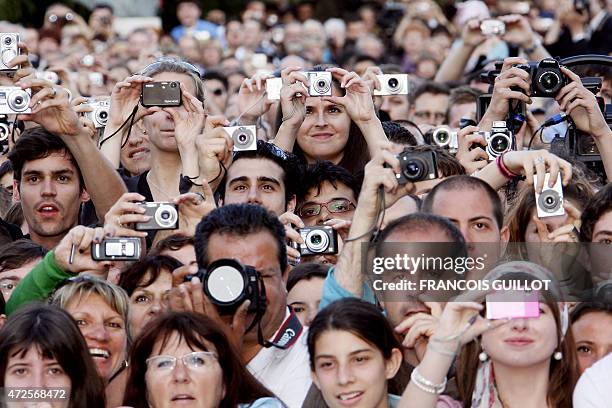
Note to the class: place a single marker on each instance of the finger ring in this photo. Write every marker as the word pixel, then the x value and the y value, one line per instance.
pixel 54 93
pixel 202 197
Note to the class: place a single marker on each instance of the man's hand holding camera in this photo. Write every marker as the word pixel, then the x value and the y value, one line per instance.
pixel 215 150
pixel 471 153
pixel 252 102
pixel 538 162
pixel 358 99
pixel 73 253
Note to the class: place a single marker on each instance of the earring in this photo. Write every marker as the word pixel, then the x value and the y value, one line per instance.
pixel 558 356
pixel 483 356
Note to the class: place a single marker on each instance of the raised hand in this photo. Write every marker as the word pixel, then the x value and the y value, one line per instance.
pixel 358 99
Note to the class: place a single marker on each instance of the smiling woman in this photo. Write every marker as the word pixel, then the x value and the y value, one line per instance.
pixel 100 309
pixel 353 354
pixel 40 346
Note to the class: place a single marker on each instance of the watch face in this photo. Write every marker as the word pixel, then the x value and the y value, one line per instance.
pixel 225 284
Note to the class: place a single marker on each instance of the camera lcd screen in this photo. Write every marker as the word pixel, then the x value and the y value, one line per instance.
pixel 120 249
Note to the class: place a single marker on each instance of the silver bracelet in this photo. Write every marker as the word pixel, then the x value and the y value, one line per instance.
pixel 424 384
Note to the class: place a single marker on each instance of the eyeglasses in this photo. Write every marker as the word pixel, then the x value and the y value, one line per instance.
pixel 164 60
pixel 340 205
pixel 196 361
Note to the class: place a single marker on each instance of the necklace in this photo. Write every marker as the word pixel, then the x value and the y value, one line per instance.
pixel 156 187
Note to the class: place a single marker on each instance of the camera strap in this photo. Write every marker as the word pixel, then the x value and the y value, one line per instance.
pixel 286 336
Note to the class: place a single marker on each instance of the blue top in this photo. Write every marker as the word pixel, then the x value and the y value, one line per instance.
pixel 266 402
pixel 202 25
pixel 332 291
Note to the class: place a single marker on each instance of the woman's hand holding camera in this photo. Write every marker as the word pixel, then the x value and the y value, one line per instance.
pixel 358 99
pixel 512 84
pixel 124 98
pixel 581 104
pixel 81 107
pixel 125 212
pixel 192 207
pixel 471 35
pixel 73 253
pixel 25 71
pixel 51 108
pixel 565 233
pixel 215 149
pixel 289 220
pixel 538 162
pixel 470 153
pixel 518 31
pixel 419 327
pixel 293 96
pixel 252 101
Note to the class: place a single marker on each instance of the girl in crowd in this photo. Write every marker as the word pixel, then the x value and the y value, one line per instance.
pixel 185 358
pixel 41 347
pixel 342 128
pixel 592 330
pixel 100 310
pixel 512 356
pixel 353 354
pixel 147 283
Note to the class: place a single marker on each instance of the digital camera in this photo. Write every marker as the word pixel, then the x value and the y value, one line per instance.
pixel 549 202
pixel 444 137
pixel 492 26
pixel 321 240
pixel 320 83
pixel 392 84
pixel 116 249
pixel 244 137
pixel 546 77
pixel 99 114
pixel 8 50
pixel 4 133
pixel 164 216
pixel 273 88
pixel 499 140
pixel 228 283
pixel 14 100
pixel 166 93
pixel 417 166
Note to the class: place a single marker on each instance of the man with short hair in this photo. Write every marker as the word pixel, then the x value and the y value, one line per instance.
pixel 255 237
pixel 596 228
pixel 429 103
pixel 216 85
pixel 266 176
pixel 462 104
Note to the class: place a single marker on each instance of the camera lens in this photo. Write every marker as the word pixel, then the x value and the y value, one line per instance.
pixel 102 116
pixel 549 81
pixel 499 143
pixel 242 137
pixel 172 84
pixel 166 216
pixel 225 284
pixel 550 201
pixel 8 40
pixel 441 137
pixel 317 241
pixel 393 84
pixel 322 86
pixel 4 132
pixel 52 18
pixel 414 169
pixel 18 101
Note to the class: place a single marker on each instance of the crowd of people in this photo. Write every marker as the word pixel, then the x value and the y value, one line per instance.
pixel 189 218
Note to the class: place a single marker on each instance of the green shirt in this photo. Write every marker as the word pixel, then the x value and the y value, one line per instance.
pixel 38 284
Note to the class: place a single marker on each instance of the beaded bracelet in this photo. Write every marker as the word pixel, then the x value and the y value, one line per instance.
pixel 424 384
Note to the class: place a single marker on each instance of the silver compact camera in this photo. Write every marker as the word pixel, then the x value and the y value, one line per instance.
pixel 164 216
pixel 321 240
pixel 116 249
pixel 499 140
pixel 320 83
pixel 8 50
pixel 549 202
pixel 444 137
pixel 492 26
pixel 244 137
pixel 48 76
pixel 14 100
pixel 392 84
pixel 99 114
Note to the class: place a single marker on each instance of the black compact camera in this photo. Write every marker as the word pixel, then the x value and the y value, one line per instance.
pixel 165 93
pixel 546 77
pixel 317 241
pixel 164 216
pixel 116 249
pixel 417 166
pixel 228 283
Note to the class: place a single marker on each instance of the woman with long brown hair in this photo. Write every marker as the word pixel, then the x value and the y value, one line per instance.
pixel 519 362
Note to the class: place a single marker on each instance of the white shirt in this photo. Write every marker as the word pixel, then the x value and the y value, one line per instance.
pixel 284 372
pixel 594 389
